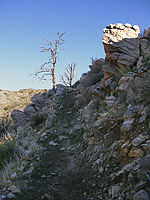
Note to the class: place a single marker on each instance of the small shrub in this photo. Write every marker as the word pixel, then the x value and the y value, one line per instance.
pixel 147 62
pixel 38 119
pixel 7 145
pixel 146 34
pixel 144 91
pixel 145 168
pixel 121 71
pixel 4 124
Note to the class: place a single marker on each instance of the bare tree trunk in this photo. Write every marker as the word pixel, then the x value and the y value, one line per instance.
pixel 53 73
pixel 53 79
pixel 53 49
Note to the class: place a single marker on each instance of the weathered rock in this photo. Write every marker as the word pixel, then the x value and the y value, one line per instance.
pixel 145 44
pixel 7 183
pixel 30 109
pixel 91 140
pixel 48 196
pixel 14 189
pixel 141 195
pixel 109 69
pixel 52 143
pixel 11 196
pixel 127 125
pixel 140 62
pixel 14 175
pixel 128 167
pixel 99 93
pixel 28 172
pixel 140 185
pixel 121 44
pixel 18 117
pixel 125 147
pixel 145 47
pixel 115 190
pixel 38 99
pixel 135 152
pixel 50 93
pixel 146 145
pixel 140 139
pixel 131 112
pixel 124 83
pixel 110 101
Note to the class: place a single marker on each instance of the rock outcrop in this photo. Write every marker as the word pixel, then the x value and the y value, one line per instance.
pixel 145 44
pixel 121 44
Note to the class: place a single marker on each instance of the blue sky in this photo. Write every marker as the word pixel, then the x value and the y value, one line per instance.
pixel 23 24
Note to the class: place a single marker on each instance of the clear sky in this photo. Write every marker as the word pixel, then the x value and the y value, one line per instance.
pixel 23 24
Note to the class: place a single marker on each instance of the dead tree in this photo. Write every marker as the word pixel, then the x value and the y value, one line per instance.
pixel 69 75
pixel 48 68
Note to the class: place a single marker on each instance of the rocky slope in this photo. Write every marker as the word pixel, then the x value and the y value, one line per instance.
pixel 10 100
pixel 91 141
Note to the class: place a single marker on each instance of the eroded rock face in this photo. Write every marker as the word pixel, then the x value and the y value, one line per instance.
pixel 145 43
pixel 121 43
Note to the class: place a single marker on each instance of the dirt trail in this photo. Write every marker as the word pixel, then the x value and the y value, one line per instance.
pixel 60 173
pixel 63 171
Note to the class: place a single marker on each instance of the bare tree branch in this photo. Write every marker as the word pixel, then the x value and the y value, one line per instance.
pixel 69 75
pixel 52 48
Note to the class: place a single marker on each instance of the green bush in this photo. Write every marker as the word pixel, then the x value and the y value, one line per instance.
pixel 121 71
pixel 38 119
pixel 144 91
pixel 7 145
pixel 146 34
pixel 147 62
pixel 4 124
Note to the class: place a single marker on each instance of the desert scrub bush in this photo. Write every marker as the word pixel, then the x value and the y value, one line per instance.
pixel 147 62
pixel 144 91
pixel 7 145
pixel 38 119
pixel 146 34
pixel 4 124
pixel 121 71
pixel 145 168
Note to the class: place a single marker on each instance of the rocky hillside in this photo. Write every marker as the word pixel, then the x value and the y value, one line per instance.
pixel 91 141
pixel 10 100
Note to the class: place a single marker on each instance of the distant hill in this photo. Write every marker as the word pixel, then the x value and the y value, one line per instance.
pixel 10 100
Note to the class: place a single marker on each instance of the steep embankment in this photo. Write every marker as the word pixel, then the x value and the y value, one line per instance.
pixel 91 141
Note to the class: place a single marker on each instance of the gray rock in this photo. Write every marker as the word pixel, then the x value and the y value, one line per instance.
pixel 14 175
pixel 38 99
pixel 131 112
pixel 10 196
pixel 121 44
pixel 124 83
pixel 7 183
pixel 52 143
pixel 145 44
pixel 140 139
pixel 127 125
pixel 110 101
pixel 30 109
pixel 141 195
pixel 14 189
pixel 28 172
pixel 18 117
